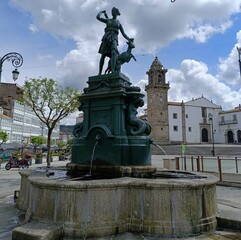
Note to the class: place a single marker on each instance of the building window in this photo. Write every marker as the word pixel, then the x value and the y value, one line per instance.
pixel 175 128
pixel 235 118
pixel 186 115
pixel 174 115
pixel 204 112
pixel 189 129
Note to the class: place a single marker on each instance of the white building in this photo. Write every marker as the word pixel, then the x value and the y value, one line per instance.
pixel 5 123
pixel 195 121
pixel 19 120
pixel 230 126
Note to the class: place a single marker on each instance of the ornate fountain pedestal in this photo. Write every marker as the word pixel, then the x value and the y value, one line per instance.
pixel 111 135
pixel 174 207
pixel 118 191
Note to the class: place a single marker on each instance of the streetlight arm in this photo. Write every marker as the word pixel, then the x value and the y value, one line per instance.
pixel 16 58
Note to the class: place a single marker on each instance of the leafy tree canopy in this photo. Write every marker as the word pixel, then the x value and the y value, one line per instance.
pixel 3 137
pixel 50 102
pixel 37 141
pixel 60 144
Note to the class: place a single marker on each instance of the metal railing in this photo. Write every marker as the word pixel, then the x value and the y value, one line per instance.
pixel 220 165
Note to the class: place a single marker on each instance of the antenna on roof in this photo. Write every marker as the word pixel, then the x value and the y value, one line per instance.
pixel 239 59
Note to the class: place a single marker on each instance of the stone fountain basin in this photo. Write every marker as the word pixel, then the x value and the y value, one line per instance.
pixel 169 207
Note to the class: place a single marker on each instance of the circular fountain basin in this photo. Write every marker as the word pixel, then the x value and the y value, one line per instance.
pixel 164 206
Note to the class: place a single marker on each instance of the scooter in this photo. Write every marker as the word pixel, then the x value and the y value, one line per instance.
pixel 15 163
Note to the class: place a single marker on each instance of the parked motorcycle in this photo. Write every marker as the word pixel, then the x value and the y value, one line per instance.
pixel 17 163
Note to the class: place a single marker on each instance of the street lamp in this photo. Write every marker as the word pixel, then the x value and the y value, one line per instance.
pixel 239 59
pixel 211 120
pixel 17 61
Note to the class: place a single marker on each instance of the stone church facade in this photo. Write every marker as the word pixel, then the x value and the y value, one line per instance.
pixel 196 121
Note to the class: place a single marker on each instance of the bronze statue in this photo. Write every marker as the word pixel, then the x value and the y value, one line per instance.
pixel 108 47
pixel 124 57
pixel 137 126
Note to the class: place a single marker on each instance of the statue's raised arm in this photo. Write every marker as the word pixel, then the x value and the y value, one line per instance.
pixel 109 41
pixel 100 18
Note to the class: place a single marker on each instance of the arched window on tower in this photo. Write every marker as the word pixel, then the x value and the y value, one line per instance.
pixel 151 78
pixel 159 78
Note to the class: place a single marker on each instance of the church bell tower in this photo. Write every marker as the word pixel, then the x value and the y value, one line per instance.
pixel 157 102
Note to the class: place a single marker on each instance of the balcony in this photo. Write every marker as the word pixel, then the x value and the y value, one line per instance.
pixel 228 122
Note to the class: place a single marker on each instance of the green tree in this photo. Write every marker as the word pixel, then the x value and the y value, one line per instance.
pixel 3 137
pixel 60 144
pixel 50 102
pixel 37 141
pixel 69 142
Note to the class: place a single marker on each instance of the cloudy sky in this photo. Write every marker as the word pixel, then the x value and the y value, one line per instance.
pixel 196 40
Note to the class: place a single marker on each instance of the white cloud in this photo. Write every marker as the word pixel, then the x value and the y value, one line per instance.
pixel 33 28
pixel 154 24
pixel 193 80
pixel 203 32
pixel 229 67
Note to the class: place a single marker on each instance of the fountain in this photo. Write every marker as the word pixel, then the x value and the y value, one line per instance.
pixel 110 186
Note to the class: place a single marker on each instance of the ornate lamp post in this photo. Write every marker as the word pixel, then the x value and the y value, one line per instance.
pixel 239 59
pixel 17 61
pixel 211 120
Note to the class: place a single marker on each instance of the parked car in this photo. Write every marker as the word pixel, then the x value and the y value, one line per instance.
pixel 55 148
pixel 5 156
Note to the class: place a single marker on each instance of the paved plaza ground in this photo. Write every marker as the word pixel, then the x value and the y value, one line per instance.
pixel 229 198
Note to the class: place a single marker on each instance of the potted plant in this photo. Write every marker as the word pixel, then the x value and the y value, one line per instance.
pixel 38 158
pixel 61 156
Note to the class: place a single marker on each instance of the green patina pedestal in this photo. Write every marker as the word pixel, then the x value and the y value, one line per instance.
pixel 111 139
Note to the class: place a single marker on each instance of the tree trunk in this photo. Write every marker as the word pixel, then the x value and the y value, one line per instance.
pixel 35 149
pixel 49 147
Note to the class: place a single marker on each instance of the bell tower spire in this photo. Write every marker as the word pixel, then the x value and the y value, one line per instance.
pixel 157 102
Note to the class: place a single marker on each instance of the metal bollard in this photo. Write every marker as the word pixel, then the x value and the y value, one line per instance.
pixel 220 169
pixel 192 163
pixel 177 163
pixel 198 164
